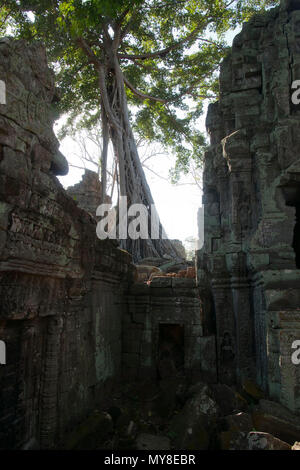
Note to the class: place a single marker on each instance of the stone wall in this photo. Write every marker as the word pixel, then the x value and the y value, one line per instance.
pixel 60 287
pixel 248 263
pixel 200 225
pixel 162 328
pixel 70 318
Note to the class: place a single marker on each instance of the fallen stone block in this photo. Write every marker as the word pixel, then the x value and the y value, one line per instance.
pixel 152 442
pixel 192 427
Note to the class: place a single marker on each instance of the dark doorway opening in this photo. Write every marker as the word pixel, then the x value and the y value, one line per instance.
pixel 296 238
pixel 170 349
pixel 293 5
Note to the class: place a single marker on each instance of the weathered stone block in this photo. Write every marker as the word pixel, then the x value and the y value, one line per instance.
pixel 208 358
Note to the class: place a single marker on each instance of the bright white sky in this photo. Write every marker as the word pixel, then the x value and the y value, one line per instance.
pixel 177 205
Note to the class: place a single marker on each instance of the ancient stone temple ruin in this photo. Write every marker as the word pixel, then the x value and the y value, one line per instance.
pixel 78 319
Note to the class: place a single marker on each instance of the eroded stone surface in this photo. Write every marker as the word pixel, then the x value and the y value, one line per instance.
pixel 237 428
pixel 62 290
pixel 265 441
pixel 152 442
pixel 162 329
pixel 296 446
pixel 87 193
pixel 248 264
pixel 275 419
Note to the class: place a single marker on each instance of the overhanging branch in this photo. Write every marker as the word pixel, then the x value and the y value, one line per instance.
pixel 141 95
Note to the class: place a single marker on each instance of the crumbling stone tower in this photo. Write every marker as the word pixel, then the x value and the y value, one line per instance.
pixel 250 260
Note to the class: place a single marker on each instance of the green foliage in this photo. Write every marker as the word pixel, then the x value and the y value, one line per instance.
pixel 189 34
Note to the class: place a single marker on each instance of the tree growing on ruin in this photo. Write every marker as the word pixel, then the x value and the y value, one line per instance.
pixel 140 66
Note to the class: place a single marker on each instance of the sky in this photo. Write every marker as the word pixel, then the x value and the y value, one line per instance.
pixel 177 205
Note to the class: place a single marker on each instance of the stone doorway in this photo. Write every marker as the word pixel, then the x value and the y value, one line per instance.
pixel 170 357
